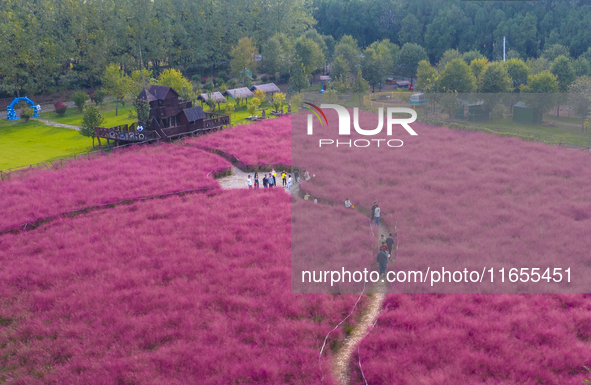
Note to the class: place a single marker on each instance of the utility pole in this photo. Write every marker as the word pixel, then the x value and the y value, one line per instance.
pixel 503 48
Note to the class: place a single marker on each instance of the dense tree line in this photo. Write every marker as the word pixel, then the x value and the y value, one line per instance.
pixel 439 25
pixel 51 45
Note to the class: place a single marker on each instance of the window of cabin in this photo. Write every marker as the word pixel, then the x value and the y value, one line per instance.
pixel 160 102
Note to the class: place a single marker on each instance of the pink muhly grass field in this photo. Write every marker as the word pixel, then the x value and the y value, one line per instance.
pixel 106 178
pixel 264 142
pixel 464 199
pixel 329 238
pixel 183 290
pixel 478 339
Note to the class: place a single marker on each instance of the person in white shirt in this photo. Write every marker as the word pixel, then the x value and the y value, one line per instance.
pixel 347 203
pixel 249 182
pixel 289 183
pixel 377 214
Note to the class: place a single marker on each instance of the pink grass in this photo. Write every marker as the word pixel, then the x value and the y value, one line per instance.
pixel 463 199
pixel 478 339
pixel 106 178
pixel 191 290
pixel 266 142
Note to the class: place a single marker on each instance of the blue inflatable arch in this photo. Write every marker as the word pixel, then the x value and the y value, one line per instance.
pixel 12 113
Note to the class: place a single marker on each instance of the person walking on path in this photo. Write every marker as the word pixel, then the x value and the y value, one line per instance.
pixel 271 180
pixel 296 175
pixel 289 183
pixel 382 240
pixel 390 243
pixel 249 182
pixel 377 214
pixel 283 178
pixel 274 175
pixel 265 181
pixel 382 258
pixel 256 180
pixel 373 211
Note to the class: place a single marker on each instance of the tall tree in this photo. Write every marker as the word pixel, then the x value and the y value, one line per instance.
pixel 409 57
pixel 242 56
pixel 580 97
pixel 457 77
pixel 340 68
pixel 347 47
pixel 518 72
pixel 117 84
pixel 309 54
pixel 540 92
pixel 427 76
pixel 494 79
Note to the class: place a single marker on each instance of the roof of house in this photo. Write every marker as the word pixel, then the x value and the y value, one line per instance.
pixel 217 96
pixel 467 102
pixel 239 93
pixel 520 104
pixel 156 93
pixel 403 82
pixel 194 113
pixel 269 87
pixel 160 92
pixel 145 94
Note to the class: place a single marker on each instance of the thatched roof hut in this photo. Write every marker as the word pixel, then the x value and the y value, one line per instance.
pixel 217 96
pixel 266 88
pixel 239 93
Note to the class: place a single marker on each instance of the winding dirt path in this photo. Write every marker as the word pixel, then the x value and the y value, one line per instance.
pixel 50 123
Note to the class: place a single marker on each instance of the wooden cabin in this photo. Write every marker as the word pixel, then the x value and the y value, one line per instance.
pixel 170 117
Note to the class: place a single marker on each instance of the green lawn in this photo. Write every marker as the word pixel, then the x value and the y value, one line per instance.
pixel 564 119
pixel 25 143
pixel 74 117
pixel 559 133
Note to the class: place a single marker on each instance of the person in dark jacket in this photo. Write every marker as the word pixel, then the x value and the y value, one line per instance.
pixel 256 180
pixel 382 261
pixel 373 211
pixel 265 181
pixel 390 243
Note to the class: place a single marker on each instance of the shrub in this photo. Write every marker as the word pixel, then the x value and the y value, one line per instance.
pixel 196 78
pixel 218 81
pixel 296 101
pixel 98 96
pixel 60 109
pixel 208 87
pixel 204 79
pixel 222 74
pixel 231 83
pixel 278 99
pixel 26 114
pixel 80 98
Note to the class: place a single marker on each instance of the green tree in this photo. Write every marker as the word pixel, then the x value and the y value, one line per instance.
pixel 472 55
pixel 541 92
pixel 243 56
pixel 563 70
pixel 410 30
pixel 348 49
pixel 309 54
pixel 457 77
pixel 175 80
pixel 340 68
pixel 580 97
pixel 518 72
pixel 253 106
pixel 141 80
pixel 426 76
pixel 80 98
pixel 99 96
pixel 359 86
pixel 538 65
pixel 117 84
pixel 553 51
pixel 275 59
pixel 342 85
pixel 142 107
pixel 582 67
pixel 298 80
pixel 494 79
pixel 448 56
pixel 409 57
pixel 565 75
pixel 278 99
pixel 477 66
pixel 92 118
pixel 374 67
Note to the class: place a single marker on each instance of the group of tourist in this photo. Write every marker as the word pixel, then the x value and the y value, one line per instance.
pixel 269 180
pixel 385 253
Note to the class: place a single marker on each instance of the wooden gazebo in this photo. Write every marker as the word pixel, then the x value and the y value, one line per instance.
pixel 217 96
pixel 269 88
pixel 242 93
